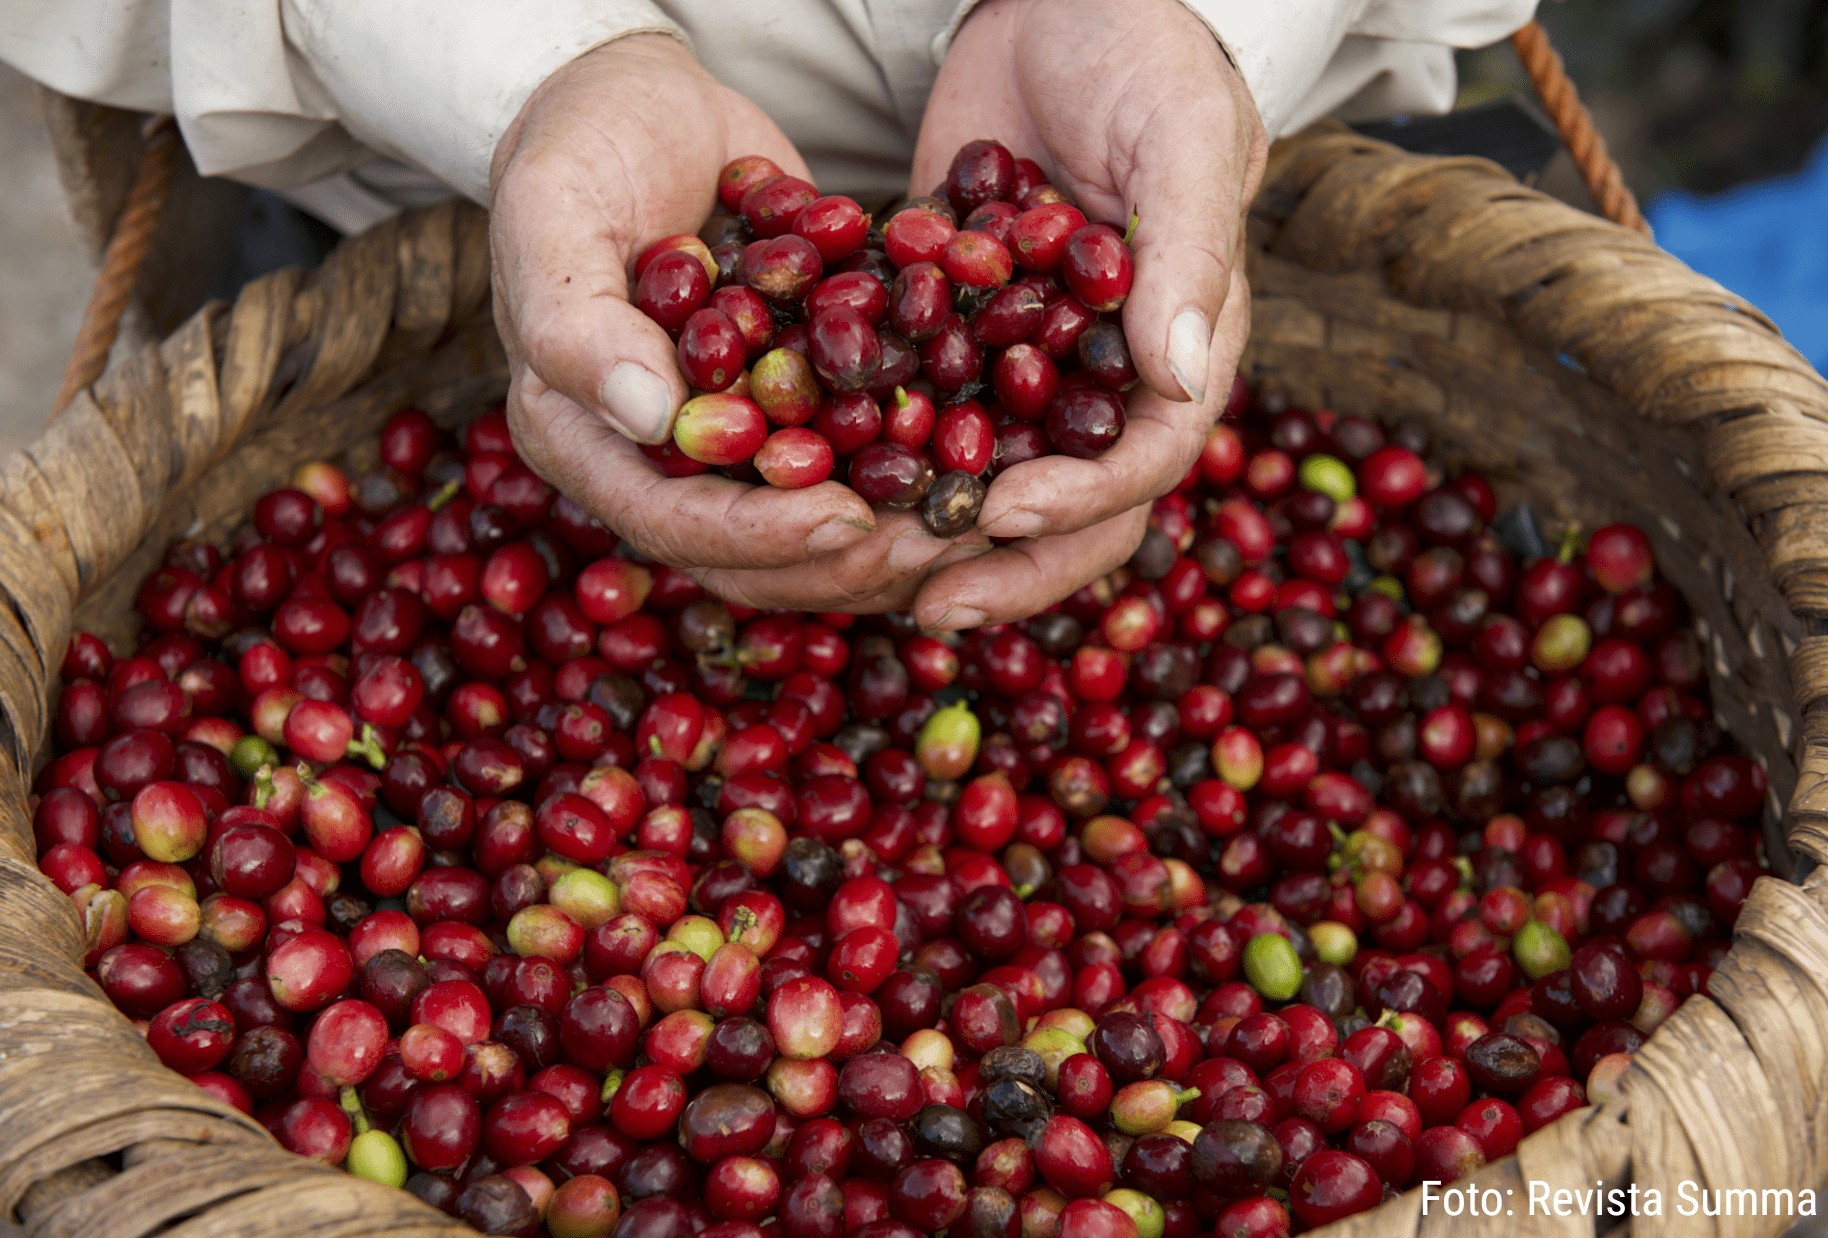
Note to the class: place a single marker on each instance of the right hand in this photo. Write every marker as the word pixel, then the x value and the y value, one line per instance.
pixel 1130 107
pixel 616 150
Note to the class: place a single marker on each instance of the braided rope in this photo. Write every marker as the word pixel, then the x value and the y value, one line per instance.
pixel 1575 124
pixel 121 261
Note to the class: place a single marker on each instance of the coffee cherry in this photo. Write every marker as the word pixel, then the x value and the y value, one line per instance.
pixel 720 429
pixel 711 350
pixel 1321 848
pixel 1097 267
pixel 672 288
pixel 794 458
pixel 844 349
pixel 890 475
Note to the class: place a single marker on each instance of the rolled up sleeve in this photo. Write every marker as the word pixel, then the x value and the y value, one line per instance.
pixel 285 93
pixel 436 83
pixel 1304 59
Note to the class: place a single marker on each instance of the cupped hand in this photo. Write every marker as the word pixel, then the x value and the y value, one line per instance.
pixel 621 148
pixel 1129 108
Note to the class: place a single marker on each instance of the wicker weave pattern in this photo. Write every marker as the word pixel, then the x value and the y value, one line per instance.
pixel 1567 355
pixel 178 442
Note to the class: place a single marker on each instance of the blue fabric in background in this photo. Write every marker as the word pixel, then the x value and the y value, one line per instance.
pixel 1766 241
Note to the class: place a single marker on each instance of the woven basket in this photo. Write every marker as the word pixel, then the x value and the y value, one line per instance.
pixel 1569 357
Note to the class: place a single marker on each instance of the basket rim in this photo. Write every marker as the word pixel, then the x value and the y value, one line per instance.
pixel 408 302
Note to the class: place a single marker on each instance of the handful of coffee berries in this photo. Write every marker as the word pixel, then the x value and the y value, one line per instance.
pixel 969 332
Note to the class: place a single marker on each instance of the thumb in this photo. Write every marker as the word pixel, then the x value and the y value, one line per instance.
pixel 1194 171
pixel 563 305
pixel 608 356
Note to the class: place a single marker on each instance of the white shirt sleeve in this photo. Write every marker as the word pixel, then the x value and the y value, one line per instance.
pixel 289 91
pixel 1304 59
pixel 437 82
pixel 302 93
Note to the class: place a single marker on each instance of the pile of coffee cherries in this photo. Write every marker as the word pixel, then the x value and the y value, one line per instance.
pixel 1328 847
pixel 814 338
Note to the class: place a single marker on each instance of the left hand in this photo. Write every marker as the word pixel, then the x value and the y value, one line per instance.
pixel 1131 107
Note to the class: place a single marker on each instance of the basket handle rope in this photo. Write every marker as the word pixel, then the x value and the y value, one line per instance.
pixel 126 253
pixel 1575 125
pixel 139 217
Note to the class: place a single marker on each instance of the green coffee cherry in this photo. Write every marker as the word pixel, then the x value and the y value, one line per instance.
pixel 1144 1212
pixel 948 741
pixel 1073 1021
pixel 250 753
pixel 699 934
pixel 1330 476
pixel 1561 644
pixel 1184 1130
pixel 1333 942
pixel 1148 1106
pixel 1540 950
pixel 1055 1045
pixel 587 896
pixel 376 1155
pixel 1272 967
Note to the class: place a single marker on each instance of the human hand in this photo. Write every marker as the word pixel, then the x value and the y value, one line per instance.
pixel 1127 107
pixel 621 148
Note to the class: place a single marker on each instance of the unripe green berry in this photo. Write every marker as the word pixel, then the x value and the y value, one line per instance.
pixel 1333 942
pixel 1540 950
pixel 376 1155
pixel 1143 1211
pixel 1272 967
pixel 1330 476
pixel 948 742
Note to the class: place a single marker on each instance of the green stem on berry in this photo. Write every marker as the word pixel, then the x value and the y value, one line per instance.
pixel 1566 549
pixel 351 1102
pixel 741 923
pixel 444 494
pixel 368 746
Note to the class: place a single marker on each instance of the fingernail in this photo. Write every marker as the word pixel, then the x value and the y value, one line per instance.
pixel 1016 522
pixel 836 534
pixel 1190 352
pixel 638 402
pixel 959 618
pixel 912 551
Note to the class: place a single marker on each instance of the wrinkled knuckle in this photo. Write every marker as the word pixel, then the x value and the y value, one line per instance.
pixel 546 337
pixel 527 426
pixel 653 537
pixel 523 403
pixel 850 591
pixel 733 588
pixel 1209 246
pixel 531 176
pixel 875 601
